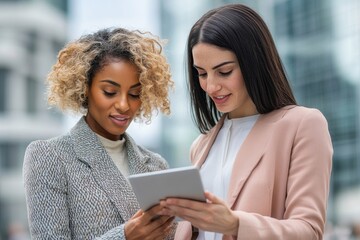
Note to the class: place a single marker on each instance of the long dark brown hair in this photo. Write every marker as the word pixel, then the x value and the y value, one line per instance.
pixel 240 29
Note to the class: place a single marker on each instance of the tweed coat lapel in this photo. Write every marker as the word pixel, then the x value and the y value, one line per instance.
pixel 90 151
pixel 137 160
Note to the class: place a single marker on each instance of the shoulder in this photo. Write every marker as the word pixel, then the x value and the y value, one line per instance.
pixel 43 159
pixel 294 115
pixel 303 124
pixel 45 152
pixel 304 116
pixel 49 145
pixel 304 111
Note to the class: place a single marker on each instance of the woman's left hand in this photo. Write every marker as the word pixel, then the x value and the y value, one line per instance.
pixel 214 215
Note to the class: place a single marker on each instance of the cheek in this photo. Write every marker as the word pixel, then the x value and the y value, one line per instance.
pixel 238 84
pixel 98 102
pixel 202 84
pixel 135 105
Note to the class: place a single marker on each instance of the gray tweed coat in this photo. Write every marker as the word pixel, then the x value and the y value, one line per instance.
pixel 74 190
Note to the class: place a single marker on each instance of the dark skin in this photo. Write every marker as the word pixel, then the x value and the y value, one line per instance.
pixel 114 100
pixel 148 225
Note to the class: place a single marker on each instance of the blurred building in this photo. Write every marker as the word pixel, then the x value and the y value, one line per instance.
pixel 320 44
pixel 31 34
pixel 175 15
pixel 317 40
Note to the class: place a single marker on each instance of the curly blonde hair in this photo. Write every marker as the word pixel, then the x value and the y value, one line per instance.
pixel 79 61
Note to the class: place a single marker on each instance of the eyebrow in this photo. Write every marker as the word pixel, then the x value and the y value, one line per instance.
pixel 118 85
pixel 217 66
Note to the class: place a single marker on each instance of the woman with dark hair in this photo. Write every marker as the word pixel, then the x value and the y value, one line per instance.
pixel 265 161
pixel 76 184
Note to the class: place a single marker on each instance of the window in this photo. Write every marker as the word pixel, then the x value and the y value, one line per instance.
pixel 31 95
pixel 3 79
pixel 9 156
pixel 61 5
pixel 302 18
pixel 32 41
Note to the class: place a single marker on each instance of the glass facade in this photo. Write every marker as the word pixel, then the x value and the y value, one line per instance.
pixel 31 93
pixel 3 84
pixel 319 43
pixel 308 40
pixel 31 35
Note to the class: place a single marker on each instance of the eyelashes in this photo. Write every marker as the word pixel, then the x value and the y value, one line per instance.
pixel 111 94
pixel 202 75
pixel 223 74
pixel 136 96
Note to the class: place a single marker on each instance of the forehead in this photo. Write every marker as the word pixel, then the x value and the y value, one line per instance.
pixel 208 54
pixel 120 71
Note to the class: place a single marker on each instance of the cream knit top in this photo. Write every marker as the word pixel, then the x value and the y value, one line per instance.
pixel 117 152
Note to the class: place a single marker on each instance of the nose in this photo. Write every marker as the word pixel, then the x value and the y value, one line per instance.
pixel 212 85
pixel 122 104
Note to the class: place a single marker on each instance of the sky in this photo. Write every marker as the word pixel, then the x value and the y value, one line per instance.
pixel 89 15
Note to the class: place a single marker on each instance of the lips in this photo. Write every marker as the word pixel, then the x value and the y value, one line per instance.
pixel 220 99
pixel 120 120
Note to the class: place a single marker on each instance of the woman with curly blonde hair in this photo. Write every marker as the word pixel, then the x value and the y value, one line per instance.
pixel 76 184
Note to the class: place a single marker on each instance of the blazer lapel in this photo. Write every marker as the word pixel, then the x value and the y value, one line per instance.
pixel 247 158
pixel 208 141
pixel 90 151
pixel 251 152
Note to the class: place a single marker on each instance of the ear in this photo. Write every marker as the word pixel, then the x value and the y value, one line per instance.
pixel 85 103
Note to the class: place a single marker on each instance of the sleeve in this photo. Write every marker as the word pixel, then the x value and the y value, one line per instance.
pixel 45 192
pixel 117 233
pixel 45 184
pixel 307 187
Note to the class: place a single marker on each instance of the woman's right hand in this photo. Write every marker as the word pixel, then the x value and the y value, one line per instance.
pixel 148 225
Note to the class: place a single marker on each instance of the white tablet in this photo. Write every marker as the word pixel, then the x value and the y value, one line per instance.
pixel 182 182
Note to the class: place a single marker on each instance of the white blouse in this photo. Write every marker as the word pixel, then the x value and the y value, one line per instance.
pixel 217 168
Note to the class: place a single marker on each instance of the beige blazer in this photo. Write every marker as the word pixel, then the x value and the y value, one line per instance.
pixel 280 179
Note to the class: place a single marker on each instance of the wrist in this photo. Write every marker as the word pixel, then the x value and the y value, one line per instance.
pixel 234 226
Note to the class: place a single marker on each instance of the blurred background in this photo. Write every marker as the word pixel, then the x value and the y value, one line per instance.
pixel 318 40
